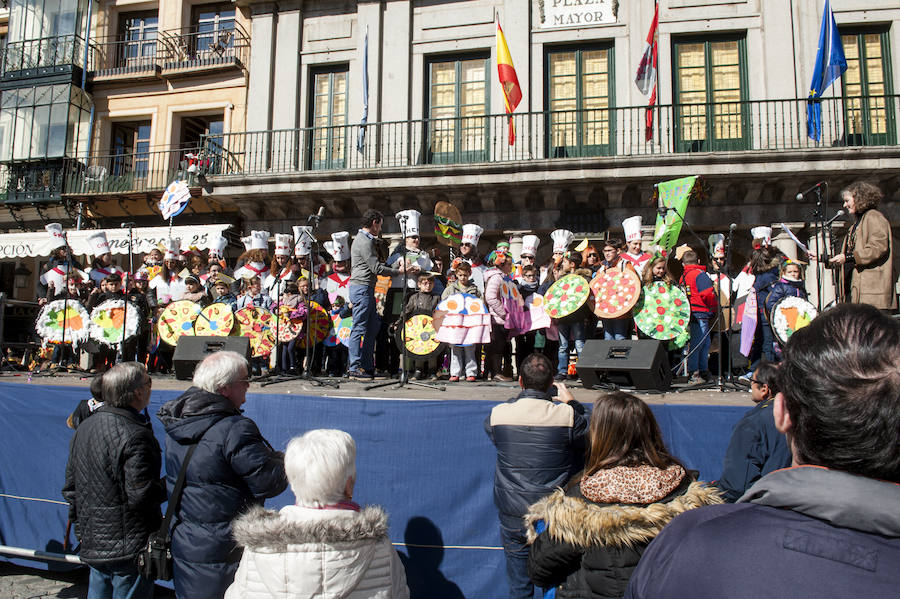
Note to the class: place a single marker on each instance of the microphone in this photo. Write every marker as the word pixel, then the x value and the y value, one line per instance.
pixel 732 227
pixel 839 214
pixel 803 194
pixel 318 215
pixel 127 225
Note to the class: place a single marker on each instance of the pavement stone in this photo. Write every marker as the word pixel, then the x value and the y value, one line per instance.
pixel 22 582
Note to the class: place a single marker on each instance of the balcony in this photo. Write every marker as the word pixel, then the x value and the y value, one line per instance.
pixel 113 58
pixel 123 175
pixel 43 57
pixel 682 133
pixel 32 182
pixel 172 54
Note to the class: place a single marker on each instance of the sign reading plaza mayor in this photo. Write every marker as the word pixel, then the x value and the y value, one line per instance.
pixel 572 13
pixel 23 245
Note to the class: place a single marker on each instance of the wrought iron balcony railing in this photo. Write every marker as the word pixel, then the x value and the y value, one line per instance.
pixel 750 126
pixel 131 173
pixel 114 56
pixel 177 50
pixel 42 56
pixel 193 48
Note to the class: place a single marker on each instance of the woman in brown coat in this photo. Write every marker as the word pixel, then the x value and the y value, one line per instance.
pixel 867 252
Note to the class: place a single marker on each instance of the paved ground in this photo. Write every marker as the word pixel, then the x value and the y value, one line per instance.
pixel 480 390
pixel 18 582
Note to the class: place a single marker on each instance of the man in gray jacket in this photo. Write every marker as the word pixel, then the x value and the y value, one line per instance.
pixel 364 270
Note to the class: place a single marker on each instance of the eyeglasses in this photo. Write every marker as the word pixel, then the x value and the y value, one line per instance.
pixel 593 255
pixel 413 236
pixel 757 382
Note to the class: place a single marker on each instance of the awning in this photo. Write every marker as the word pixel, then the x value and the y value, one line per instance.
pixel 23 245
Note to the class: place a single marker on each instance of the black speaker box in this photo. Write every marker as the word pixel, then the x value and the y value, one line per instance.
pixel 641 363
pixel 190 351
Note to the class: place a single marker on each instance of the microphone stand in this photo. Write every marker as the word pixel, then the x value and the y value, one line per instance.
pixel 720 383
pixel 404 350
pixel 819 229
pixel 121 357
pixel 308 359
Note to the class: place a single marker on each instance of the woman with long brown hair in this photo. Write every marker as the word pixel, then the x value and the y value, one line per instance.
pixel 595 532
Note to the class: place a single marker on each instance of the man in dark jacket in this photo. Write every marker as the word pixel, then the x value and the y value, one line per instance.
pixel 756 447
pixel 232 469
pixel 113 485
pixel 830 525
pixel 540 445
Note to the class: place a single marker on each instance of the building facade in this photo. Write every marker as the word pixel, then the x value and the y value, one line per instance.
pixel 273 94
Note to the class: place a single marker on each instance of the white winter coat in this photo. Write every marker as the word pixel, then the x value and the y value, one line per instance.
pixel 304 552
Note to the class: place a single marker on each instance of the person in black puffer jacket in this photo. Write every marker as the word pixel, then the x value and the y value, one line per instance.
pixel 593 535
pixel 233 469
pixel 113 485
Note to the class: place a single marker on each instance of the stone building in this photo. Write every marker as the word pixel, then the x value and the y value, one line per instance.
pixel 733 80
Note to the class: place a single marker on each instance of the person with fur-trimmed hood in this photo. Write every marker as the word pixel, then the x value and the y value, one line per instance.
pixel 587 540
pixel 324 540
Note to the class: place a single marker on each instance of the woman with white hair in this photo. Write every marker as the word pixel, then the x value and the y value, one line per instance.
pixel 324 545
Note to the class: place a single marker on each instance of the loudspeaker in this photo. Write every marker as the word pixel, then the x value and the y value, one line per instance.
pixel 190 351
pixel 641 363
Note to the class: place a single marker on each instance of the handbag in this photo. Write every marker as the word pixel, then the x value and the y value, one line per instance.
pixel 155 560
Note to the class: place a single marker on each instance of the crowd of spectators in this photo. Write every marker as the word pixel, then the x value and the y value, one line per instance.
pixel 590 506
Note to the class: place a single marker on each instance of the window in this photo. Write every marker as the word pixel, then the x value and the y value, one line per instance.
pixel 868 110
pixel 44 33
pixel 710 90
pixel 213 31
pixel 45 121
pixel 131 148
pixel 579 99
pixel 457 100
pixel 329 119
pixel 138 34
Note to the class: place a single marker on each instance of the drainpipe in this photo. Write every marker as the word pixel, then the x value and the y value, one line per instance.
pixel 84 70
pixel 87 39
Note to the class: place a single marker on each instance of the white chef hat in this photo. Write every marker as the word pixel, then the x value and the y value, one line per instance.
pixel 57 238
pixel 217 247
pixel 562 238
pixel 283 244
pixel 764 233
pixel 248 242
pixel 98 243
pixel 302 240
pixel 339 246
pixel 412 222
pixel 173 249
pixel 530 245
pixel 632 226
pixel 259 240
pixel 471 233
pixel 716 245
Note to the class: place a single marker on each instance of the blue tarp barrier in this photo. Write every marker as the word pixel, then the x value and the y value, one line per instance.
pixel 429 463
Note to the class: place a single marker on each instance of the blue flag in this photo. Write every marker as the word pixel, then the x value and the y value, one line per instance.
pixel 830 65
pixel 361 140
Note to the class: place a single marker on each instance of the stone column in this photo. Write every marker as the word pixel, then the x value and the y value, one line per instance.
pixel 515 242
pixel 285 103
pixel 262 66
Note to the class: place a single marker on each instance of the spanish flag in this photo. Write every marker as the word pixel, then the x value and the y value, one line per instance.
pixel 506 72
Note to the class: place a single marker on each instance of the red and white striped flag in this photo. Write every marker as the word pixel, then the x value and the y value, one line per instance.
pixel 647 72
